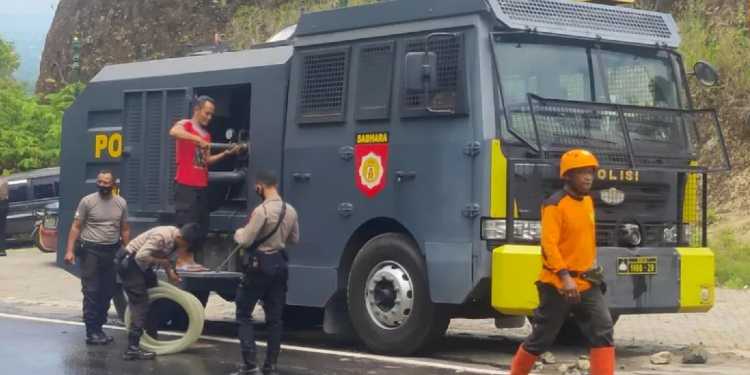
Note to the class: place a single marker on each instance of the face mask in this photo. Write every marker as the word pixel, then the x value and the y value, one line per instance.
pixel 259 191
pixel 105 190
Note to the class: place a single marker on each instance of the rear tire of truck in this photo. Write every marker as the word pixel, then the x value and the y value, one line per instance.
pixel 388 298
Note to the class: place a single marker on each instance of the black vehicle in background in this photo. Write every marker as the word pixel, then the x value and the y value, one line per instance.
pixel 29 193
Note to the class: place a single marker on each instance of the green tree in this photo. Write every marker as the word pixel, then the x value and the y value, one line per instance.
pixel 29 125
pixel 8 60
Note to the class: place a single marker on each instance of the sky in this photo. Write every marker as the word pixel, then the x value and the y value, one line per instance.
pixel 25 23
pixel 28 7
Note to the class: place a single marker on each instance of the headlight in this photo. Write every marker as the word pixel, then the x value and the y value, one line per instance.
pixel 670 234
pixel 630 235
pixel 527 230
pixel 494 229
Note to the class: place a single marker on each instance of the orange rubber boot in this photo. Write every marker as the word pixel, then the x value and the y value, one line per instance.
pixel 603 361
pixel 522 363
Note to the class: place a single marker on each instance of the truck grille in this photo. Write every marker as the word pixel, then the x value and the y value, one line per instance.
pixel 607 234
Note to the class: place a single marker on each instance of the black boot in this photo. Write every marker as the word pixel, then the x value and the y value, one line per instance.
pixel 97 338
pixel 109 338
pixel 246 370
pixel 249 365
pixel 270 369
pixel 134 350
pixel 269 366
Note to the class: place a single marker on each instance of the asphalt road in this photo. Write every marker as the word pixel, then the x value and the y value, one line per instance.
pixel 44 346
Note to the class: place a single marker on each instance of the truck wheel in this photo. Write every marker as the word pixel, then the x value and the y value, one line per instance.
pixel 388 297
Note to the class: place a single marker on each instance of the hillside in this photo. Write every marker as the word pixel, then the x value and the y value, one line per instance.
pixel 116 31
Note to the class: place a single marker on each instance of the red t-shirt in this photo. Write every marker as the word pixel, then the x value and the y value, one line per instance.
pixel 192 169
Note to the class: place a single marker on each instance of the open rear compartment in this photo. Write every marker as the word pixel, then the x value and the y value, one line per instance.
pixel 227 178
pixel 228 187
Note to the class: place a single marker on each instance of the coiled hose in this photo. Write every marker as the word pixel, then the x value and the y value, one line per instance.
pixel 196 319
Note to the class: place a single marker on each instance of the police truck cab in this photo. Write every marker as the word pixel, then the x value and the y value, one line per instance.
pixel 417 140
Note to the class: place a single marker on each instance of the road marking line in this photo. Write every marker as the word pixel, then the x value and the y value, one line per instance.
pixel 306 349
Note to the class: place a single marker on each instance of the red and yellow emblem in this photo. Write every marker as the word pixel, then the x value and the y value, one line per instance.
pixel 371 162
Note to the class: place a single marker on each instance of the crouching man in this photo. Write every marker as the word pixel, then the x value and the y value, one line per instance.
pixel 135 265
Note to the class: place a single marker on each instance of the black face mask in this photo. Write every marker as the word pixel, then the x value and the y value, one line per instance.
pixel 105 190
pixel 259 191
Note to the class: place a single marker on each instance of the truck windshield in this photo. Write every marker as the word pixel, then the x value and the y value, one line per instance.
pixel 573 73
pixel 623 77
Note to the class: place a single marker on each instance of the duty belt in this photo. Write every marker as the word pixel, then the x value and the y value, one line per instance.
pixel 98 245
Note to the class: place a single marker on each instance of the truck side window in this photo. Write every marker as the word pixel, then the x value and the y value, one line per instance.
pixel 44 191
pixel 450 93
pixel 18 193
pixel 374 80
pixel 323 83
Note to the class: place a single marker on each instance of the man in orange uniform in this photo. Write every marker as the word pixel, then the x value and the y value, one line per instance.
pixel 569 251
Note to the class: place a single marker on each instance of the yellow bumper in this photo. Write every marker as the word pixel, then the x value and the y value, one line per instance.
pixel 697 279
pixel 515 269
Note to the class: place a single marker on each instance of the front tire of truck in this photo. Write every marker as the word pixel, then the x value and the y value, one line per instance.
pixel 388 297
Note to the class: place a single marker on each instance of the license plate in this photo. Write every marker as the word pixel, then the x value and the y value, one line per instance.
pixel 636 266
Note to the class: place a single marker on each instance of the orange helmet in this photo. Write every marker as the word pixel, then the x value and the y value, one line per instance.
pixel 577 158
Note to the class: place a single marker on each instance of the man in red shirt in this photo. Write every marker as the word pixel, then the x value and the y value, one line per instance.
pixel 193 157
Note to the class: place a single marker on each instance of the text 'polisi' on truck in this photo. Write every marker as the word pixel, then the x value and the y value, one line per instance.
pixel 418 139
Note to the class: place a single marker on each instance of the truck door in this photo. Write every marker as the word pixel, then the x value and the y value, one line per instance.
pixel 148 158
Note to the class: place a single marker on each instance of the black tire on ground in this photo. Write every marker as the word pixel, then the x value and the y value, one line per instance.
pixel 168 315
pixel 424 324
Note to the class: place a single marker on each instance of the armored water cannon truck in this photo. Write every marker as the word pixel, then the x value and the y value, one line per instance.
pixel 418 139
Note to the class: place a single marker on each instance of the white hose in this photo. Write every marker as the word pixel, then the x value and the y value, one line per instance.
pixel 195 313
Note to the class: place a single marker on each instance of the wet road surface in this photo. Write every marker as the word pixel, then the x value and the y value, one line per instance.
pixel 48 347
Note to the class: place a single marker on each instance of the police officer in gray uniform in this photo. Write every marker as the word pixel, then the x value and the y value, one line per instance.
pixel 99 229
pixel 3 212
pixel 272 226
pixel 135 264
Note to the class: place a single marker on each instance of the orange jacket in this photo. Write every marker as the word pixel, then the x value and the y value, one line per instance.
pixel 568 238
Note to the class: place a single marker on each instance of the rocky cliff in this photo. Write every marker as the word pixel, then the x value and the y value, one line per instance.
pixel 117 31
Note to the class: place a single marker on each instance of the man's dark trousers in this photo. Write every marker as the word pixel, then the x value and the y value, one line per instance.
pixel 136 283
pixel 272 290
pixel 97 283
pixel 3 217
pixel 591 314
pixel 192 206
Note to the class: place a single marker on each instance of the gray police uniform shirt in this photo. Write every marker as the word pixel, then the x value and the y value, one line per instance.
pixel 102 218
pixel 268 213
pixel 157 242
pixel 3 188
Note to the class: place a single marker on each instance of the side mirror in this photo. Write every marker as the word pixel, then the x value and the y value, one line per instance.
pixel 706 74
pixel 229 134
pixel 421 71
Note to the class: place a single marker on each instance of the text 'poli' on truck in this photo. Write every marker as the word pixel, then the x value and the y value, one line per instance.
pixel 418 139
